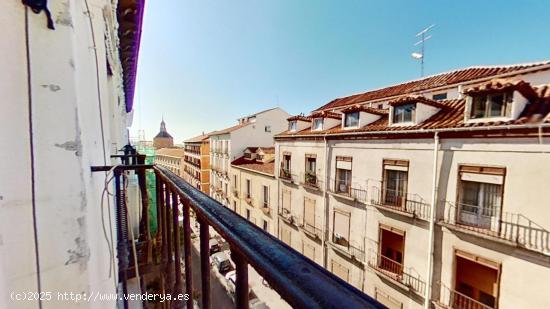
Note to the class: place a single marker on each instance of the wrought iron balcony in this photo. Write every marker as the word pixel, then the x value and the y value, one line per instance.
pixel 450 298
pixel 348 248
pixel 286 175
pixel 348 190
pixel 299 281
pixel 311 180
pixel 395 271
pixel 491 222
pixel 312 230
pixel 406 203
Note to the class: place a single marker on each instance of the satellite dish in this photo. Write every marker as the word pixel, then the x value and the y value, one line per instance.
pixel 417 55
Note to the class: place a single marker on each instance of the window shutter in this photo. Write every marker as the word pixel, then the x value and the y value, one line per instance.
pixel 309 251
pixel 309 211
pixel 286 200
pixel 341 224
pixel 285 236
pixel 340 271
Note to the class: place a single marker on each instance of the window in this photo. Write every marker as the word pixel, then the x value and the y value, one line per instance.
pixel 235 181
pixel 265 196
pixel 318 124
pixel 404 113
pixel 309 214
pixel 342 183
pixel 265 226
pixel 341 223
pixel 248 188
pixel 491 105
pixel 292 125
pixel 480 196
pixel 267 129
pixel 311 166
pixel 391 248
pixel 248 214
pixel 234 205
pixel 395 187
pixel 286 201
pixel 351 120
pixel 285 166
pixel 439 96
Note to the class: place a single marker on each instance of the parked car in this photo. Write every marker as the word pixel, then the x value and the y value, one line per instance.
pixel 213 245
pixel 222 262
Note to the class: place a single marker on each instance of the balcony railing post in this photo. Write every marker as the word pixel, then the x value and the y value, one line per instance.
pixel 122 235
pixel 159 203
pixel 241 289
pixel 144 223
pixel 178 286
pixel 205 263
pixel 187 253
pixel 169 260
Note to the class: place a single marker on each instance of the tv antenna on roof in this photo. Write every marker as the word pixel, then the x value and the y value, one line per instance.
pixel 420 55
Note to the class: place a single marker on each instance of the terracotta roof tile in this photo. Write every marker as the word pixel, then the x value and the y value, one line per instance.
pixel 499 85
pixel 299 117
pixel 435 81
pixel 366 109
pixel 415 99
pixel 268 150
pixel 325 114
pixel 451 115
pixel 230 129
pixel 197 139
pixel 266 168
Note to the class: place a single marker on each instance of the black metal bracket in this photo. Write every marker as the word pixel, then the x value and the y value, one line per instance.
pixel 38 6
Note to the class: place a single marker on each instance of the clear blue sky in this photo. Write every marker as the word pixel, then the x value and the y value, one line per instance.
pixel 204 63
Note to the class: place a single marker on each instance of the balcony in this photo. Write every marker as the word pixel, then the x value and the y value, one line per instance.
pixel 450 298
pixel 311 180
pixel 407 204
pixel 312 230
pixel 288 217
pixel 343 245
pixel 265 208
pixel 286 175
pixel 249 200
pixel 299 281
pixel 492 223
pixel 395 271
pixel 348 190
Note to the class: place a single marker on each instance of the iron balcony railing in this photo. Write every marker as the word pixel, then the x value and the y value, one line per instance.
pixel 299 281
pixel 450 298
pixel 311 180
pixel 395 271
pixel 348 189
pixel 397 200
pixel 492 221
pixel 312 230
pixel 286 174
pixel 348 247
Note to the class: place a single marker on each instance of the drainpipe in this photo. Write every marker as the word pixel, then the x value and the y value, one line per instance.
pixel 279 193
pixel 325 203
pixel 429 274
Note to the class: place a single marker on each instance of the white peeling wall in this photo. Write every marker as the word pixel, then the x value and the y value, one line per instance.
pixel 51 125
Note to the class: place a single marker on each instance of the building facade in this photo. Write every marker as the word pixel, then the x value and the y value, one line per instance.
pixel 163 139
pixel 254 187
pixel 228 144
pixel 67 88
pixel 197 162
pixel 172 159
pixel 424 193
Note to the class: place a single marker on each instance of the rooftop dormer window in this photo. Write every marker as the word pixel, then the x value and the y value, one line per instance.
pixel 318 124
pixel 351 120
pixel 404 113
pixel 490 105
pixel 292 125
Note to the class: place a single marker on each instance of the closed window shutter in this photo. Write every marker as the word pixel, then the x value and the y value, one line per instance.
pixel 309 251
pixel 341 224
pixel 309 211
pixel 341 271
pixel 285 236
pixel 286 200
